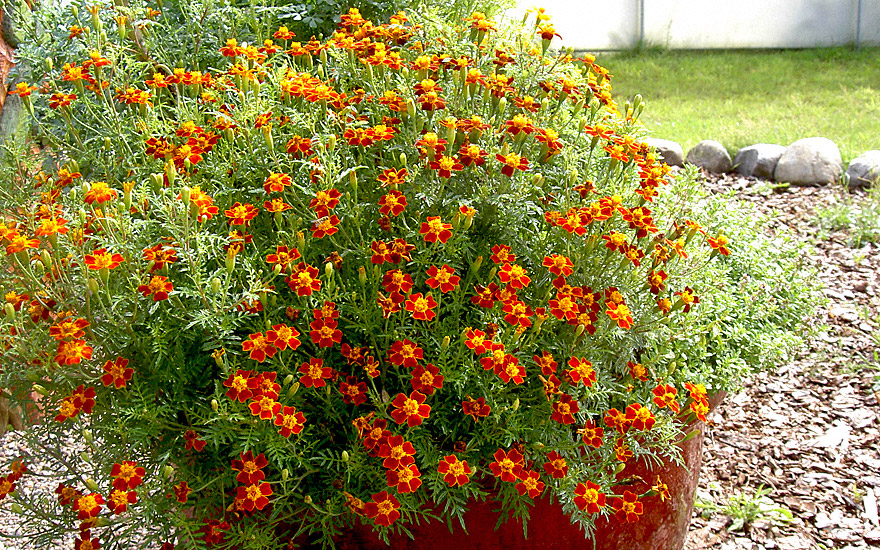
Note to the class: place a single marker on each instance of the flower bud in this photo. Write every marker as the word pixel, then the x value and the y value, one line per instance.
pixel 505 149
pixel 445 342
pixel 573 176
pixel 84 456
pixel 536 179
pixel 345 457
pixel 215 406
pixel 300 239
pixel 40 390
pixel 293 389
pixel 93 285
pixel 170 172
pixel 362 275
pixel 230 259
pixel 49 65
pixel 477 263
pixel 403 159
pixel 619 468
pixel 328 269
pixel 285 474
pixel 87 436
pixel 276 269
pixel 578 331
pixel 515 404
pixel 185 194
pixel 9 310
pixel 307 499
pixel 288 379
pixel 410 108
pixel 15 508
pixel 331 142
pixel 502 105
pixel 107 144
pixel 167 471
pixel 215 285
pixel 90 483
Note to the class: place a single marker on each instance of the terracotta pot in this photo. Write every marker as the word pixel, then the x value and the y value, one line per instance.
pixel 663 526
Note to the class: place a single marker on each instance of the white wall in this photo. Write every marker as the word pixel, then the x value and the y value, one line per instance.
pixel 615 24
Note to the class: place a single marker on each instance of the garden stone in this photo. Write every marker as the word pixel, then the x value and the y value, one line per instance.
pixel 710 156
pixel 758 160
pixel 668 151
pixel 864 170
pixel 809 161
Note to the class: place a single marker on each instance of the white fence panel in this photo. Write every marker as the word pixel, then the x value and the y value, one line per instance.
pixel 602 25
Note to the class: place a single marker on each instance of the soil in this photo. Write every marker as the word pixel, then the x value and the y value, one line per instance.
pixel 809 432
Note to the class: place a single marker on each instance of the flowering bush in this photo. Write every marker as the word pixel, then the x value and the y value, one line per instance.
pixel 361 280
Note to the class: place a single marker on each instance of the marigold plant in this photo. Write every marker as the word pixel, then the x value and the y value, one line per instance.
pixel 357 280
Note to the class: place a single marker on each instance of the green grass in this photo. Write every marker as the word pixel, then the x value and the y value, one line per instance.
pixel 743 97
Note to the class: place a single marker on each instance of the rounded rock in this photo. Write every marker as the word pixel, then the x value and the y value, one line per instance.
pixel 711 156
pixel 809 161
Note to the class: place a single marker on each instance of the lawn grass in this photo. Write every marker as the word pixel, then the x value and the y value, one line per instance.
pixel 743 97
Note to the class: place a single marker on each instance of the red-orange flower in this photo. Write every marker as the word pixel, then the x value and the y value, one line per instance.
pixel 250 468
pixel 617 420
pixel 325 201
pixel 508 466
pixel 397 282
pixel 476 408
pixel 421 307
pixel 426 379
pixel 192 441
pixel 410 409
pixel 314 373
pixel 304 280
pixel 559 265
pixel 259 347
pixel 88 506
pixel 565 409
pixel 119 500
pixel 444 278
pixel 241 214
pixel 240 386
pixel 640 417
pixel 265 407
pixel 664 396
pixel 589 498
pixel 455 472
pixel 254 496
pixel 581 371
pixel 591 434
pixel 290 421
pixel 556 466
pixel 392 178
pixel 72 352
pixel 159 287
pixel 512 162
pixel 116 373
pixel 435 230
pixel 514 275
pixel 627 509
pixel 530 483
pixel 325 333
pixel 383 509
pixel 445 166
pixel 405 353
pixel 325 227
pixel 719 243
pixel 101 259
pixel 127 475
pixel 406 479
pixel 353 392
pixel 619 313
pixel 283 337
pixel 100 193
pixel 276 182
pixel 393 203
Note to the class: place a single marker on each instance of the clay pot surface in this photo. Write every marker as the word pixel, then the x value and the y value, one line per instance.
pixel 662 526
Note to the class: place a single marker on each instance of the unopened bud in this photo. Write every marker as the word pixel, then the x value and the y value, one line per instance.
pixel 87 436
pixel 477 263
pixel 515 404
pixel 215 285
pixel 185 194
pixel 93 285
pixel 307 499
pixel 300 240
pixel 619 468
pixel 578 331
pixel 288 379
pixel 49 64
pixel 403 159
pixel 15 508
pixel 293 389
pixel 445 342
pixel 9 310
pixel 46 258
pixel 345 457
pixel 90 483
pixel 362 275
pixel 215 406
pixel 328 269
pixel 167 471
pixel 108 143
pixel 505 149
pixel 502 105
pixel 40 389
pixel 285 474
pixel 276 269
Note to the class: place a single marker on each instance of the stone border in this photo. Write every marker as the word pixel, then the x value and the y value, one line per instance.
pixel 808 161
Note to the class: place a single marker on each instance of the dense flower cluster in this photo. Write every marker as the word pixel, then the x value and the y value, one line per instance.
pixel 332 281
